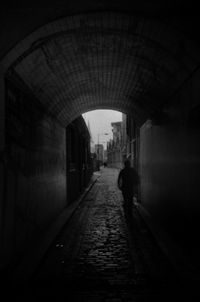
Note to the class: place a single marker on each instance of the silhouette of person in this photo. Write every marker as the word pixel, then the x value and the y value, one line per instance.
pixel 128 180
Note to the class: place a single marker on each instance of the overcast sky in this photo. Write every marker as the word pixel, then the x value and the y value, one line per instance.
pixel 100 123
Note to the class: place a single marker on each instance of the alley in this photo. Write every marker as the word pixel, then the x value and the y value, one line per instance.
pixel 97 258
pixel 62 60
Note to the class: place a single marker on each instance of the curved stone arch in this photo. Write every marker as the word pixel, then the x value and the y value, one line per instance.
pixel 97 107
pixel 72 23
pixel 126 37
pixel 73 114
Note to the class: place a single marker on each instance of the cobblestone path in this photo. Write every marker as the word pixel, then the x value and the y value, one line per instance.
pixel 97 257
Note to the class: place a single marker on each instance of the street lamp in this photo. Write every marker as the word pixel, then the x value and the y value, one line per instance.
pixel 104 133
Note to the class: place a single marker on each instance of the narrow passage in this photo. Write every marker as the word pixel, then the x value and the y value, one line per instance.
pixel 97 257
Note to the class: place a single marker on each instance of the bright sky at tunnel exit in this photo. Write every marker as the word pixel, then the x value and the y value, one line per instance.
pixel 100 124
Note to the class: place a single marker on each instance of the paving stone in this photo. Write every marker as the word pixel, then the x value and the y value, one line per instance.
pixel 97 255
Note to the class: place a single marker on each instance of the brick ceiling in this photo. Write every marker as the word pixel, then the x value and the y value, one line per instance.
pixel 103 60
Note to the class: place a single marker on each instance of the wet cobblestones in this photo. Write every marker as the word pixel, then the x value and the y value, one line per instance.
pixel 97 258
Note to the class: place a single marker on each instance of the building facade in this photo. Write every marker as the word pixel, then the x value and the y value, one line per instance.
pixel 99 151
pixel 79 161
pixel 130 140
pixel 114 146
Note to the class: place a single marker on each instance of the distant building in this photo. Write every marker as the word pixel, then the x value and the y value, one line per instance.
pixel 99 150
pixel 124 137
pixel 131 143
pixel 79 164
pixel 125 143
pixel 117 134
pixel 114 146
pixel 92 145
pixel 130 140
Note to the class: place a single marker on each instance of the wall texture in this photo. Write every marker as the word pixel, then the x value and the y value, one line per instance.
pixel 79 163
pixel 35 188
pixel 170 165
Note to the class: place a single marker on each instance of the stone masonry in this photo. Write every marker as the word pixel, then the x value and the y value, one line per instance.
pixel 98 257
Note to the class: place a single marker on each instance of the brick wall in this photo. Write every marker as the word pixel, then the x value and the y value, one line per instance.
pixel 35 170
pixel 169 163
pixel 79 165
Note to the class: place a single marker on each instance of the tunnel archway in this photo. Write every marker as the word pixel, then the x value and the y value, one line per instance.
pixel 91 61
pixel 102 60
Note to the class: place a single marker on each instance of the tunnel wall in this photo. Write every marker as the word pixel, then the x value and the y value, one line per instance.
pixel 170 165
pixel 35 187
pixel 2 147
pixel 79 162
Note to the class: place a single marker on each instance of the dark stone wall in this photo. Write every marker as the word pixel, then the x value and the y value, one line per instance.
pixel 79 164
pixel 170 163
pixel 35 187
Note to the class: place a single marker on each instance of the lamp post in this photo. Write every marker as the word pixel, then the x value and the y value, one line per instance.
pixel 98 160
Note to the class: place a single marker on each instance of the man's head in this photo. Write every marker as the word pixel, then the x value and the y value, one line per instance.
pixel 127 163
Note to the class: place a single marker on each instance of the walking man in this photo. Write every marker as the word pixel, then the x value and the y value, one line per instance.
pixel 128 180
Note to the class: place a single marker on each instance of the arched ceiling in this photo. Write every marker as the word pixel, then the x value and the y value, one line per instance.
pixel 104 60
